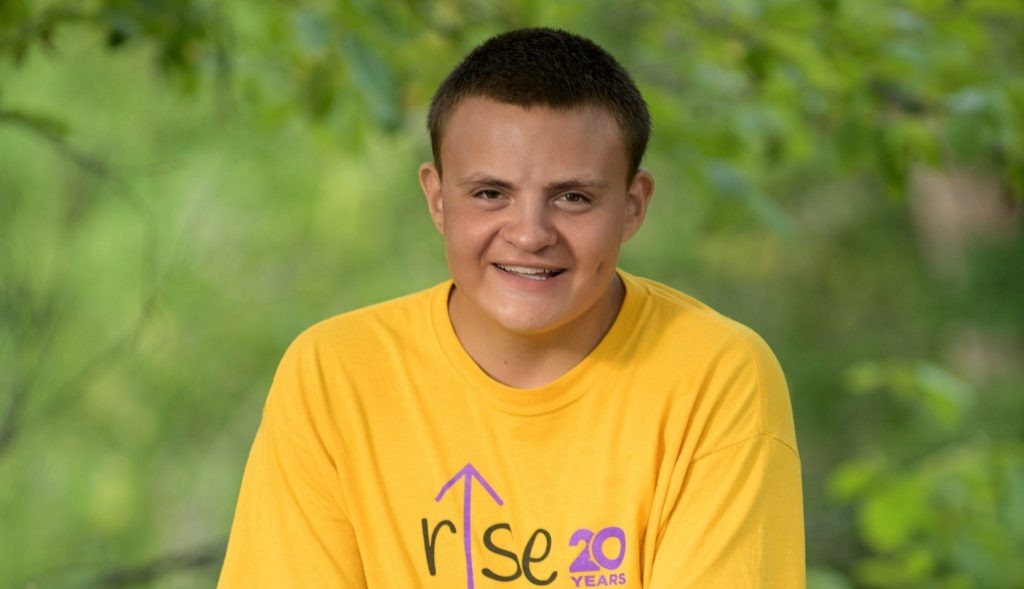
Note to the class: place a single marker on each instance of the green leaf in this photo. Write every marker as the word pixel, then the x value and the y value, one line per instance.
pixel 895 515
pixel 825 578
pixel 946 397
pixel 374 78
pixel 732 184
pixel 314 31
pixel 855 478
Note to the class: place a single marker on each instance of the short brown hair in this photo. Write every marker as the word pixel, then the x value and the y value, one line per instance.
pixel 546 67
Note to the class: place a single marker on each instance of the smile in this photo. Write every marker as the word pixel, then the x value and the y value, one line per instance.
pixel 528 272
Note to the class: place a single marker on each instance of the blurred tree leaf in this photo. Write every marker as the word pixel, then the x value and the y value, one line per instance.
pixel 40 123
pixel 943 397
pixel 374 80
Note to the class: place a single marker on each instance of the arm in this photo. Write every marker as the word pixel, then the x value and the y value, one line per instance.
pixel 290 527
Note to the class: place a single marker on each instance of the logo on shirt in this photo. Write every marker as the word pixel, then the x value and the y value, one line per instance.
pixel 594 566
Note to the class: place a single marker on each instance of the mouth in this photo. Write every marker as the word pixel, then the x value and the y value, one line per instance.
pixel 530 272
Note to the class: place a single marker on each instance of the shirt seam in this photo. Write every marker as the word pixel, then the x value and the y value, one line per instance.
pixel 760 383
pixel 770 436
pixel 274 418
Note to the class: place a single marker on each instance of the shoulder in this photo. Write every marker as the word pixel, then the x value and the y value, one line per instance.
pixel 333 355
pixel 393 321
pixel 723 366
pixel 683 322
pixel 364 342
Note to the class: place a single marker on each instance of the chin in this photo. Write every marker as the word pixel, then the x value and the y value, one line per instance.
pixel 527 324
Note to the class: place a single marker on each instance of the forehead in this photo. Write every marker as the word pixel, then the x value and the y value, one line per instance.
pixel 532 141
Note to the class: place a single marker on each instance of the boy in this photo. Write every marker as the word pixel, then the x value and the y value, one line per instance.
pixel 542 418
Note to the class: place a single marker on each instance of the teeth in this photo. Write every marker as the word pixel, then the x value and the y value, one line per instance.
pixel 524 270
pixel 527 272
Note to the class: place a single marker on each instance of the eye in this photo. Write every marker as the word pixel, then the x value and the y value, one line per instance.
pixel 576 198
pixel 487 194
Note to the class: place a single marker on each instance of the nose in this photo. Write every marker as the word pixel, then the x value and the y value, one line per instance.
pixel 529 226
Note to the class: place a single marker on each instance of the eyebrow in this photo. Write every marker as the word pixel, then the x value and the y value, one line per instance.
pixel 477 179
pixel 567 184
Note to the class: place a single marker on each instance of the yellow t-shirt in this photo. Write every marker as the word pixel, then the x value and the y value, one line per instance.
pixel 387 458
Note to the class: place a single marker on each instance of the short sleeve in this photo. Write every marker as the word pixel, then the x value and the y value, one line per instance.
pixel 290 527
pixel 737 517
pixel 738 522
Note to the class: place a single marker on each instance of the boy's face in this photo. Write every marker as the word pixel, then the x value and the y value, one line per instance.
pixel 533 207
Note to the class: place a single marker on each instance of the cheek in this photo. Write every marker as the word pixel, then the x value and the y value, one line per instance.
pixel 465 236
pixel 599 243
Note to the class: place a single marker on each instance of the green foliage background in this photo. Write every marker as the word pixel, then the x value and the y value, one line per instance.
pixel 187 184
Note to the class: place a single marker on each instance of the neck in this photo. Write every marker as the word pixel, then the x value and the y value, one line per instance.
pixel 533 360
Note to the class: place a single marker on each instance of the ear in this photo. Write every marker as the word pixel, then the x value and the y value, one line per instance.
pixel 430 182
pixel 638 196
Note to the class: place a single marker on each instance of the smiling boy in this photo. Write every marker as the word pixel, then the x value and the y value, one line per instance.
pixel 534 206
pixel 542 418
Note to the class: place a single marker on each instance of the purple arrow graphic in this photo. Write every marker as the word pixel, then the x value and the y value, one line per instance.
pixel 468 473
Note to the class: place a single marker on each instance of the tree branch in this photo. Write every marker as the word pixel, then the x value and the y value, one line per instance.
pixel 208 556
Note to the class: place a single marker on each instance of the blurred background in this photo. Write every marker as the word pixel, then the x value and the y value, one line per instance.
pixel 185 185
